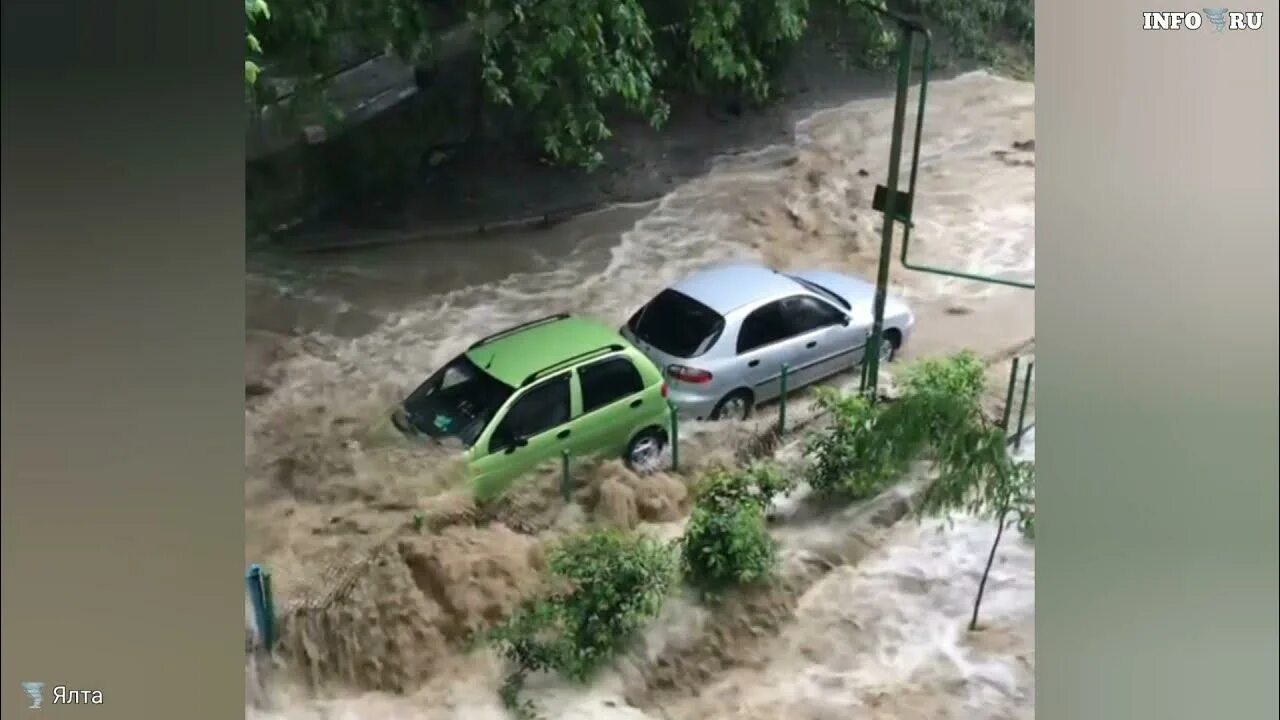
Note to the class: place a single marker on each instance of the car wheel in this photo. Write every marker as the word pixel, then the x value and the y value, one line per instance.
pixel 734 406
pixel 889 343
pixel 644 453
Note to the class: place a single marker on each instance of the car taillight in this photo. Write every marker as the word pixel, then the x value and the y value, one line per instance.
pixel 688 374
pixel 664 389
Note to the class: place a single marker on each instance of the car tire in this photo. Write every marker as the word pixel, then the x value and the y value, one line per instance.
pixel 893 340
pixel 644 452
pixel 727 408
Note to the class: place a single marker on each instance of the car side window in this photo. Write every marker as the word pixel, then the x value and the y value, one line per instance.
pixel 763 326
pixel 805 314
pixel 540 409
pixel 607 381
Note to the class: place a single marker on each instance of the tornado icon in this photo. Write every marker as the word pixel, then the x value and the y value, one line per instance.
pixel 36 691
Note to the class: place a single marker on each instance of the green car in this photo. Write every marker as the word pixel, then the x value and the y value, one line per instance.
pixel 524 396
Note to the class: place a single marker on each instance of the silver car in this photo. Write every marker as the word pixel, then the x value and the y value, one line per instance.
pixel 723 334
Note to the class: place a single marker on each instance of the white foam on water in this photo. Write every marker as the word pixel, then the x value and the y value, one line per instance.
pixel 889 637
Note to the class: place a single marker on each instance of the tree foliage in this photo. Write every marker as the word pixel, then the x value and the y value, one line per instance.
pixel 564 61
pixel 938 417
pixel 974 25
pixel 975 471
pixel 568 65
pixel 254 12
pixel 726 45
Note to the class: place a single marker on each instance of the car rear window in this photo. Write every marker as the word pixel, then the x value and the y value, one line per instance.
pixel 677 324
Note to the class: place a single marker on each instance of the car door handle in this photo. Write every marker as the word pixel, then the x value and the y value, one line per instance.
pixel 811 344
pixel 563 434
pixel 637 402
pixel 753 363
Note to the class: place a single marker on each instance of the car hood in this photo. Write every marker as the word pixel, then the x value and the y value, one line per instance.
pixel 859 293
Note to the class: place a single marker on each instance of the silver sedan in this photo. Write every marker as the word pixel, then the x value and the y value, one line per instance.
pixel 723 334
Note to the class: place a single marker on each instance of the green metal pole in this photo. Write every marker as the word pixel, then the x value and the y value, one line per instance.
pixel 566 479
pixel 782 399
pixel 271 610
pixel 862 372
pixel 264 611
pixel 1022 411
pixel 1008 398
pixel 911 187
pixel 891 197
pixel 675 438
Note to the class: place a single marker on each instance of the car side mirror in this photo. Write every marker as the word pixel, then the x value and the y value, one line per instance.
pixel 845 320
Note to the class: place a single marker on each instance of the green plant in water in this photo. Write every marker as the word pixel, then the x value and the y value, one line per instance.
pixel 863 451
pixel 727 545
pixel 726 542
pixel 758 483
pixel 977 475
pixel 606 585
pixel 975 472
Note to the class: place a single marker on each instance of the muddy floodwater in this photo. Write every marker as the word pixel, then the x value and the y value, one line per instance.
pixel 334 338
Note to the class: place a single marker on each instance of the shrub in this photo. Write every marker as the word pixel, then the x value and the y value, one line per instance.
pixel 870 446
pixel 759 483
pixel 857 456
pixel 726 542
pixel 939 396
pixel 607 585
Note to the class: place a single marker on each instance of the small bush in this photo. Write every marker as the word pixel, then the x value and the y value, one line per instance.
pixel 938 396
pixel 726 542
pixel 857 456
pixel 608 584
pixel 870 446
pixel 759 483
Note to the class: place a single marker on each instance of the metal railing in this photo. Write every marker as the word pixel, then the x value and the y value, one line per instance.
pixel 897 205
pixel 1006 414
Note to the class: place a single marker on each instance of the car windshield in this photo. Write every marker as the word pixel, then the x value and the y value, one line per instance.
pixel 677 325
pixel 458 401
pixel 816 288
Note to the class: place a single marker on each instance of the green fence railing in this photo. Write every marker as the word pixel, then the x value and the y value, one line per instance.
pixel 1007 413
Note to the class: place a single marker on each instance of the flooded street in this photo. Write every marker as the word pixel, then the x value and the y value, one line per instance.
pixel 335 337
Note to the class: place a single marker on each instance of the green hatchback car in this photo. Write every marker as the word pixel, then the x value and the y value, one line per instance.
pixel 523 396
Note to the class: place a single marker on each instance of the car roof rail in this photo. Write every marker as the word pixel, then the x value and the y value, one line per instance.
pixel 515 328
pixel 615 347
